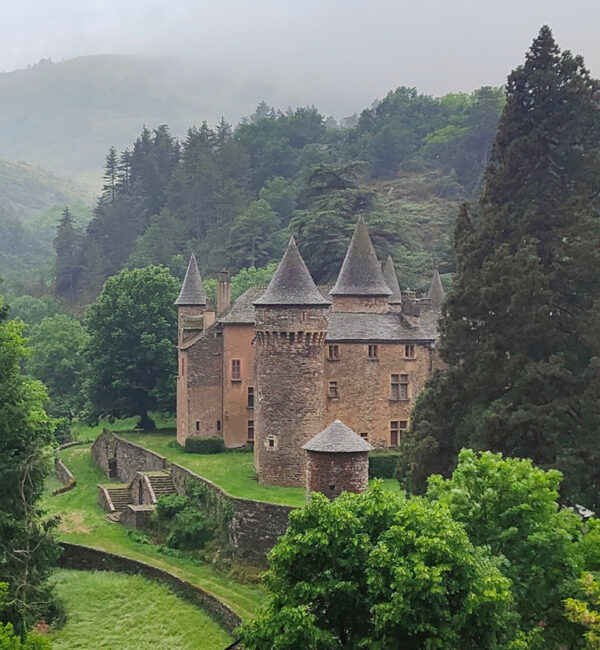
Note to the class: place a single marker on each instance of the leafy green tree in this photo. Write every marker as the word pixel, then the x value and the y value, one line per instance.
pixel 586 610
pixel 57 360
pixel 32 310
pixel 377 570
pixel 27 548
pixel 511 507
pixel 11 641
pixel 165 237
pixel 280 193
pixel 518 331
pixel 132 330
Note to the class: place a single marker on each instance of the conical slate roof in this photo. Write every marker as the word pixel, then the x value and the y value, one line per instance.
pixel 360 274
pixel 389 274
pixel 192 290
pixel 337 438
pixel 292 284
pixel 436 293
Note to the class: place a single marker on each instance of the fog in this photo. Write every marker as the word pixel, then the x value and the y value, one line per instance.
pixel 339 55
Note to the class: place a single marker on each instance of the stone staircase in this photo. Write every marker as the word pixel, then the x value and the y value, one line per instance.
pixel 120 497
pixel 161 483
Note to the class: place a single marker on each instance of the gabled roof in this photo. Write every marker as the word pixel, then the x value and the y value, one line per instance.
pixel 337 438
pixel 389 274
pixel 292 284
pixel 192 290
pixel 436 293
pixel 360 274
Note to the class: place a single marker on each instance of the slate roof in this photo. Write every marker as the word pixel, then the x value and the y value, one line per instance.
pixel 436 293
pixel 361 274
pixel 292 284
pixel 242 309
pixel 390 328
pixel 192 290
pixel 337 438
pixel 389 274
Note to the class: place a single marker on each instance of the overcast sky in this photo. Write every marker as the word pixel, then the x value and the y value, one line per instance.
pixel 338 54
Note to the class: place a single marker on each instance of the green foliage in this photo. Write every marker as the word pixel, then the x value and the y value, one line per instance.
pixel 180 521
pixel 168 506
pixel 511 507
pixel 383 464
pixel 32 310
pixel 379 571
pixel 27 547
pixel 204 446
pixel 130 351
pixel 57 359
pixel 586 610
pixel 518 333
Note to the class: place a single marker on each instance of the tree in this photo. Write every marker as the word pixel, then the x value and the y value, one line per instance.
pixel 517 333
pixel 111 174
pixel 57 360
pixel 11 641
pixel 379 570
pixel 132 330
pixel 511 507
pixel 586 610
pixel 66 245
pixel 27 548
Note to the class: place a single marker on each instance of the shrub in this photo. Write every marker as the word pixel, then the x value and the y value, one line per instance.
pixel 190 530
pixel 382 464
pixel 204 446
pixel 169 506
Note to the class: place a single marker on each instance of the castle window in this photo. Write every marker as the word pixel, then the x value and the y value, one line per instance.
pixel 197 425
pixel 333 353
pixel 403 386
pixel 218 425
pixel 333 390
pixel 271 442
pixel 373 351
pixel 409 351
pixel 364 435
pixel 394 433
pixel 292 336
pixel 250 429
pixel 236 370
pixel 250 397
pixel 399 387
pixel 182 366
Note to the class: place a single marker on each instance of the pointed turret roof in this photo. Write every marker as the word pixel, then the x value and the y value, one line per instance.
pixel 292 284
pixel 436 293
pixel 337 438
pixel 192 290
pixel 389 273
pixel 360 274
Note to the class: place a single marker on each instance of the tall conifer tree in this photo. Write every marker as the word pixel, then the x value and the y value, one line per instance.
pixel 66 245
pixel 519 331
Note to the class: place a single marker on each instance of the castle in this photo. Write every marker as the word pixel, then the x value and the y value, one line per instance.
pixel 278 366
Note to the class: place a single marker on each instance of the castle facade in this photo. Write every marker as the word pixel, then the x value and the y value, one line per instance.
pixel 281 364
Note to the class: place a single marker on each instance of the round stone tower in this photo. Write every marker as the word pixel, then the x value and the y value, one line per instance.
pixel 337 461
pixel 291 323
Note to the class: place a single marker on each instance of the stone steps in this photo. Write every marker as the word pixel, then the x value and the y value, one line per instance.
pixel 113 517
pixel 120 497
pixel 162 485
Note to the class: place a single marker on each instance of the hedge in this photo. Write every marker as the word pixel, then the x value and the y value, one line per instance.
pixel 204 446
pixel 382 464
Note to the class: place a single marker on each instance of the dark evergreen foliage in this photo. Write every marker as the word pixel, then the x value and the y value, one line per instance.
pixel 519 332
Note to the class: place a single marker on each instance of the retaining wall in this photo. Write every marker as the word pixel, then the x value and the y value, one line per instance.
pixel 75 556
pixel 65 476
pixel 121 459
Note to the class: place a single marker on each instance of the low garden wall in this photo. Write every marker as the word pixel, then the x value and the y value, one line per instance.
pixel 65 476
pixel 75 556
pixel 252 527
pixel 121 459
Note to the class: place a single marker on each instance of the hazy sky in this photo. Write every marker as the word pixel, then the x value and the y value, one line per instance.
pixel 337 54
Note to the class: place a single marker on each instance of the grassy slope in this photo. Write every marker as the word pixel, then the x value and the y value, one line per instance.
pixel 82 523
pixel 113 610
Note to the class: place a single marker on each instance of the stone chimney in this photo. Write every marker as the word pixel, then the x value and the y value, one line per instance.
pixel 223 292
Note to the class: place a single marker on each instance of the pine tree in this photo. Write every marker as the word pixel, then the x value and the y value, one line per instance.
pixel 110 175
pixel 66 245
pixel 517 333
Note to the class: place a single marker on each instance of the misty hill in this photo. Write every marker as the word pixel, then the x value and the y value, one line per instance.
pixel 28 192
pixel 64 116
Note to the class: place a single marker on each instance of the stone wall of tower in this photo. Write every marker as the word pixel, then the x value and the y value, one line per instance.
pixel 364 304
pixel 334 473
pixel 288 385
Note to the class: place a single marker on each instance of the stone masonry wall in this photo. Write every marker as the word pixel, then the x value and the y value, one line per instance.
pixel 253 527
pixel 121 459
pixel 332 474
pixel 372 304
pixel 288 381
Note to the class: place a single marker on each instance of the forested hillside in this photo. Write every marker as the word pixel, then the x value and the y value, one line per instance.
pixel 234 196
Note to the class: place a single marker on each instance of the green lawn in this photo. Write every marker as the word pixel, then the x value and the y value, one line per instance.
pixel 82 523
pixel 114 610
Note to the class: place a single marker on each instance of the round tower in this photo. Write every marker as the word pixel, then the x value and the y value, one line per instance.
pixel 291 323
pixel 337 461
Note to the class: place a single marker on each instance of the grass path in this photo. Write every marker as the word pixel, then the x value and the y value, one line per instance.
pixel 82 523
pixel 133 613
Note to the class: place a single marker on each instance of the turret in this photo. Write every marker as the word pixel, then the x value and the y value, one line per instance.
pixel 436 293
pixel 291 325
pixel 360 286
pixel 391 279
pixel 191 302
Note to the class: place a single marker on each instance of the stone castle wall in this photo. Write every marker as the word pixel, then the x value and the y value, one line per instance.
pixel 288 380
pixel 371 304
pixel 332 474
